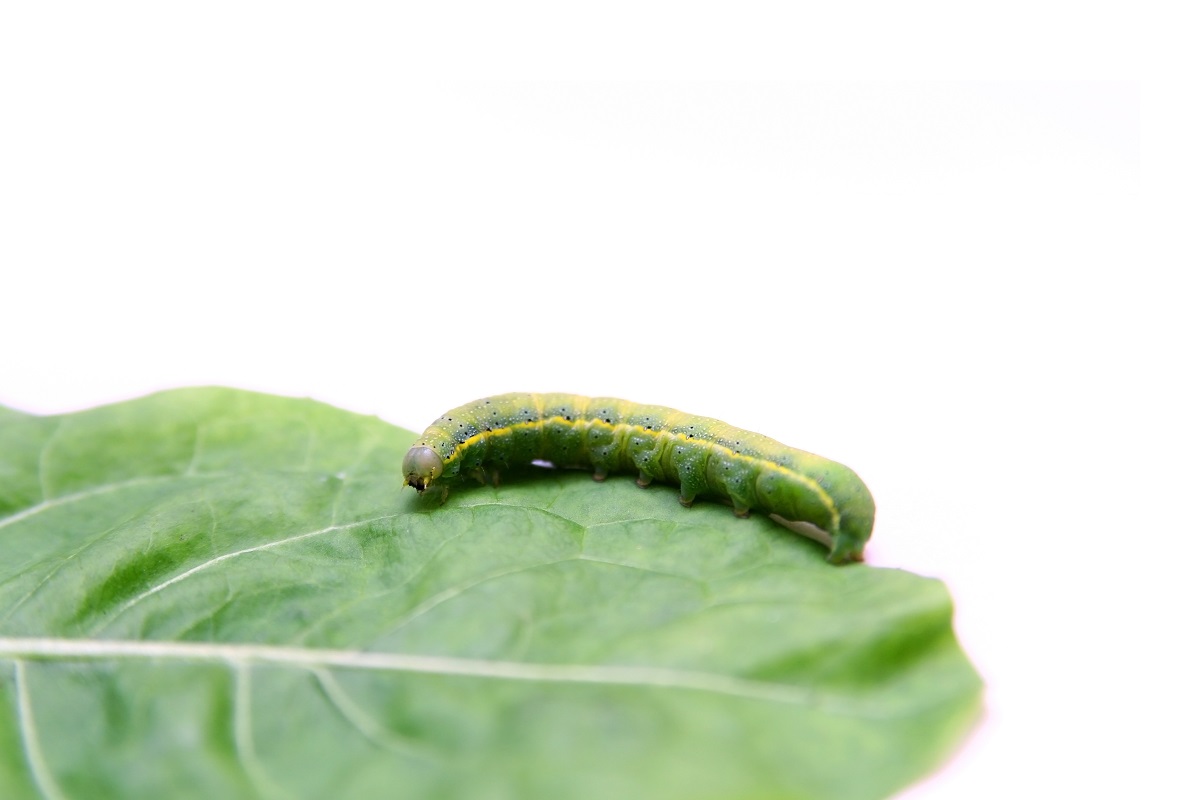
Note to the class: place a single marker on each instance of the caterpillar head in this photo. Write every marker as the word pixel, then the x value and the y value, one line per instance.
pixel 422 465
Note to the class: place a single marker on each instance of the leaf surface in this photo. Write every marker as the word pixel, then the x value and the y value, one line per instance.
pixel 209 592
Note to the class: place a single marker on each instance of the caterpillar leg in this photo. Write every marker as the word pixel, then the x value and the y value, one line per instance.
pixel 478 474
pixel 739 497
pixel 440 492
pixel 690 485
pixel 599 475
pixel 644 480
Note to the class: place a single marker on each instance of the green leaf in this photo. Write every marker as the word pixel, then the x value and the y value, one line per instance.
pixel 213 593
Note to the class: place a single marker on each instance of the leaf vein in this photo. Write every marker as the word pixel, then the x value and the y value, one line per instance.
pixel 29 739
pixel 243 735
pixel 97 491
pixel 454 591
pixel 226 556
pixel 370 728
pixel 644 677
pixel 43 479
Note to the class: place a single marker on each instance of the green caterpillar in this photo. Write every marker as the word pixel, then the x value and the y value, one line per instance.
pixel 704 457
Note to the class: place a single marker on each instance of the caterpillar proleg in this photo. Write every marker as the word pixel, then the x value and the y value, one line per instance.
pixel 703 457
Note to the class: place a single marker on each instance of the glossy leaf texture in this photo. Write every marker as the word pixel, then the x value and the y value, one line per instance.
pixel 209 592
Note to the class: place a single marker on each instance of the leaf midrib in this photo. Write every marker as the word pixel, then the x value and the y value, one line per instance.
pixel 50 648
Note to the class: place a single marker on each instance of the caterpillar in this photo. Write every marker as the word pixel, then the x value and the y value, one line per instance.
pixel 704 457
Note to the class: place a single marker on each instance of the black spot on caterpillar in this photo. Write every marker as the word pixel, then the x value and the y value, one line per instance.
pixel 704 457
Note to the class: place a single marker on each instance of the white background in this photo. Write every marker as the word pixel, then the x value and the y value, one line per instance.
pixel 859 234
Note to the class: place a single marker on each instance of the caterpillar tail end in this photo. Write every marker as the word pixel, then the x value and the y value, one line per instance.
pixel 845 550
